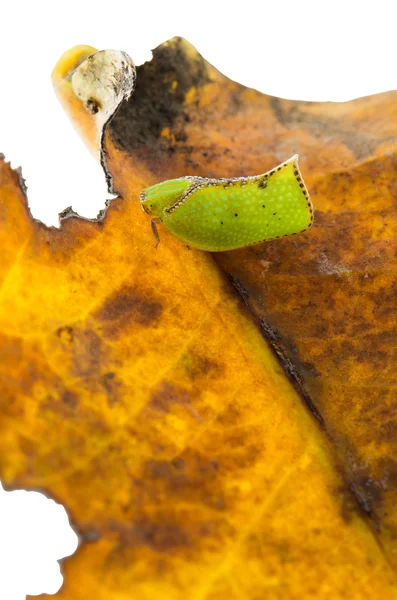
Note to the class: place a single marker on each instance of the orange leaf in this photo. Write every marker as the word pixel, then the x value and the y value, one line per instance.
pixel 137 391
pixel 325 300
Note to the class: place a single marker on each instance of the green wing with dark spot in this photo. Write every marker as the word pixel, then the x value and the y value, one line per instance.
pixel 225 214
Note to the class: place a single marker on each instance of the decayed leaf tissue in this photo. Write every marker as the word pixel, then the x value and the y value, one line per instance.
pixel 218 426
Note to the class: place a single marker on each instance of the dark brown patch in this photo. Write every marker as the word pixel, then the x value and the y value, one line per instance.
pixel 193 478
pixel 113 387
pixel 167 396
pixel 65 334
pixel 128 305
pixel 230 416
pixel 178 462
pixel 92 106
pixel 70 398
pixel 197 366
pixel 181 485
pixel 159 99
pixel 62 401
pixel 164 535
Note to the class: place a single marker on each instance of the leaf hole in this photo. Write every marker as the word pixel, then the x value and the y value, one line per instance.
pixel 35 535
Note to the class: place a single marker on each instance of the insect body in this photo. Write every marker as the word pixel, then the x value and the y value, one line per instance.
pixel 224 214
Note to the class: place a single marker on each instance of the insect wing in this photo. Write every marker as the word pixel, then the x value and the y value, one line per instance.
pixel 227 214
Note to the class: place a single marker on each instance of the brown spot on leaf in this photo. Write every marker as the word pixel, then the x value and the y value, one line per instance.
pixel 93 106
pixel 193 477
pixel 167 395
pixel 128 306
pixel 61 401
pixel 199 366
pixel 70 398
pixel 65 334
pixel 113 386
pixel 163 535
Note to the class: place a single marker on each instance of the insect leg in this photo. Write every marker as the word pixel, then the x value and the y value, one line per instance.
pixel 153 224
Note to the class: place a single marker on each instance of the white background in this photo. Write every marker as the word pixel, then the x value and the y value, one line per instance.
pixel 343 49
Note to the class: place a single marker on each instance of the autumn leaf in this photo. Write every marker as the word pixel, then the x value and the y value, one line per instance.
pixel 138 390
pixel 325 300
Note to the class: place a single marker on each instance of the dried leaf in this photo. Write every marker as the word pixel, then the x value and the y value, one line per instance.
pixel 137 391
pixel 326 300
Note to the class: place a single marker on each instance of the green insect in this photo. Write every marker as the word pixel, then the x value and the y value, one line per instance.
pixel 225 214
